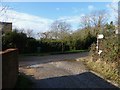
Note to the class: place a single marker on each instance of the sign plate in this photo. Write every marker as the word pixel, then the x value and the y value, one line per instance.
pixel 100 36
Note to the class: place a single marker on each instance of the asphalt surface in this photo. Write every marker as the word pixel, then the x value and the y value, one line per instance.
pixel 32 60
pixel 60 71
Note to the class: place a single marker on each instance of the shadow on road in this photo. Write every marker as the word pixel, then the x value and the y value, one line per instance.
pixel 83 80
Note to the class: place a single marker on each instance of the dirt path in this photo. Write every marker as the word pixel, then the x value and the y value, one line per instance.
pixel 60 71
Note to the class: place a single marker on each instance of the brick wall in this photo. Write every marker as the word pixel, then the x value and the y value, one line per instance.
pixel 9 68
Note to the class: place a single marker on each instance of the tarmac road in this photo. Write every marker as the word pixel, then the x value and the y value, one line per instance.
pixel 60 71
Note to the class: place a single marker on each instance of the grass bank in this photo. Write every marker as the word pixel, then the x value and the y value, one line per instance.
pixel 109 71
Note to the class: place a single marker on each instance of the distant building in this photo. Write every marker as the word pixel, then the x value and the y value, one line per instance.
pixel 5 27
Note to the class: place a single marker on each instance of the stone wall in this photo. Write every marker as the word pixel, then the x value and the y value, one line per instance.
pixel 9 68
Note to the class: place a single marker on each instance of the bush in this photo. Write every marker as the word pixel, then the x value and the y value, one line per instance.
pixel 110 47
pixel 14 40
pixel 31 45
pixel 52 46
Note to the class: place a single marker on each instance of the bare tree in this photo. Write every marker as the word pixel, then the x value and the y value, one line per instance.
pixel 30 33
pixel 85 21
pixel 60 31
pixel 3 9
pixel 55 29
pixel 39 35
pixel 98 19
pixel 45 35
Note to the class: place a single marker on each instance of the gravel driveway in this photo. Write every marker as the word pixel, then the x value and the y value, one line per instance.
pixel 60 71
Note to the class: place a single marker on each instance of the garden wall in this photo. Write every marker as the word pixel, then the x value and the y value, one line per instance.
pixel 9 68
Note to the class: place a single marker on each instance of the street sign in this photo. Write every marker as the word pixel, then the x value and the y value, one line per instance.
pixel 100 36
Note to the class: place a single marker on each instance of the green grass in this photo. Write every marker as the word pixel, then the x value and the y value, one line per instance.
pixel 23 82
pixel 53 53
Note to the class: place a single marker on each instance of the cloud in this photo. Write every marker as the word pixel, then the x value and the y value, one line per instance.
pixel 91 7
pixel 36 23
pixel 73 20
pixel 26 21
pixel 57 9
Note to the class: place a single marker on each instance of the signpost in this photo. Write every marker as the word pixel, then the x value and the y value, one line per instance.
pixel 116 31
pixel 100 36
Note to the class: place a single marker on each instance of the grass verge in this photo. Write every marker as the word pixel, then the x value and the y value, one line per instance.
pixel 108 70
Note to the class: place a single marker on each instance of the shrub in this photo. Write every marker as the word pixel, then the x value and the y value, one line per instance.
pixel 14 40
pixel 31 45
pixel 110 47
